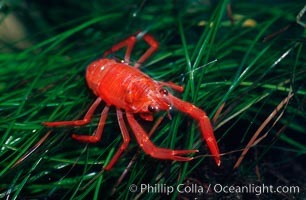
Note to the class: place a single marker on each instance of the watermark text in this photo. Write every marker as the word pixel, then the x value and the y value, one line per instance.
pixel 257 189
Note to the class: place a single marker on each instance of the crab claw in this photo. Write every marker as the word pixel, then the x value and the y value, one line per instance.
pixel 151 149
pixel 204 123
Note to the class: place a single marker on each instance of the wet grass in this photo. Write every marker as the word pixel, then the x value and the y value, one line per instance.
pixel 255 85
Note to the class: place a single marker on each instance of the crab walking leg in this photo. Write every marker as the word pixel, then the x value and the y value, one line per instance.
pixel 153 47
pixel 172 85
pixel 97 135
pixel 81 122
pixel 129 43
pixel 150 148
pixel 124 145
pixel 204 122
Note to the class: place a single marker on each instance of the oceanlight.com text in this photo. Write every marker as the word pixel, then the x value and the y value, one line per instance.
pixel 217 188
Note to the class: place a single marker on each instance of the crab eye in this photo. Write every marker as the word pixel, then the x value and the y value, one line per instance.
pixel 151 108
pixel 163 91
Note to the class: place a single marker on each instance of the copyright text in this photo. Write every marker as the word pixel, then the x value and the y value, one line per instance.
pixel 217 188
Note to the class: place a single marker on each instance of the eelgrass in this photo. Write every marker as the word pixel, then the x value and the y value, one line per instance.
pixel 249 77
